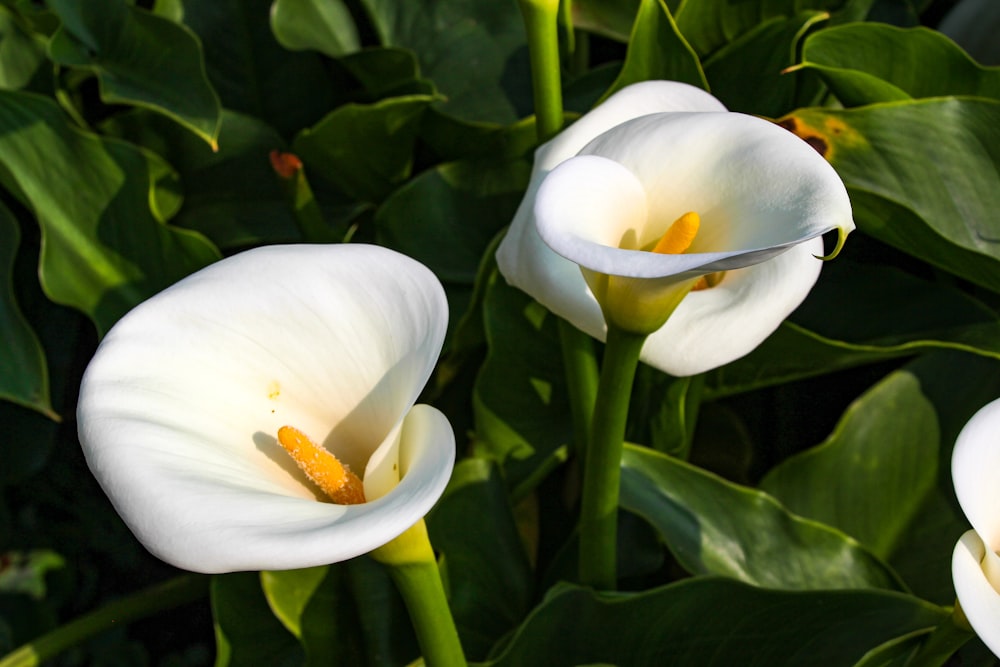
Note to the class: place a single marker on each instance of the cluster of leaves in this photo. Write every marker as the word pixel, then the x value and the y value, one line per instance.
pixel 794 506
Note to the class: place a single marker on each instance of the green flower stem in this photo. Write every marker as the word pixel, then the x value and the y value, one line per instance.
pixel 946 638
pixel 541 21
pixel 170 594
pixel 602 468
pixel 580 363
pixel 413 568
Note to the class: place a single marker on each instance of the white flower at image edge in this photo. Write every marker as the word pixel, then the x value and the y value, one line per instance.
pixel 604 190
pixel 180 407
pixel 975 565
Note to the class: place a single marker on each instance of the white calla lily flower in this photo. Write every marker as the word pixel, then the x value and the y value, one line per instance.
pixel 975 563
pixel 180 407
pixel 605 190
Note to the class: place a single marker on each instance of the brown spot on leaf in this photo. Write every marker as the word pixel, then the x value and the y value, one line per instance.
pixel 819 144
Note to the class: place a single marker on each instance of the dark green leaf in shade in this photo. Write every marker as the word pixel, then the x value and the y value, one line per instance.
pixel 766 50
pixel 835 329
pixel 866 63
pixel 24 572
pixel 658 51
pixel 711 24
pixel 951 185
pixel 870 477
pixel 247 633
pixel 386 632
pixel 716 527
pixel 489 580
pixel 22 52
pixel 473 51
pixel 446 217
pixel 315 605
pixel 101 205
pixel 385 72
pixel 232 195
pixel 24 375
pixel 365 150
pixel 711 622
pixel 139 58
pixel 453 139
pixel 520 403
pixel 252 72
pixel 321 25
pixel 609 18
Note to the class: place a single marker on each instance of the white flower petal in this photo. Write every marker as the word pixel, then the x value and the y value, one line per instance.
pixel 524 259
pixel 976 593
pixel 713 327
pixel 974 464
pixel 180 406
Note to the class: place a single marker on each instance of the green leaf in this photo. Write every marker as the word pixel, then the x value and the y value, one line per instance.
pixel 489 579
pixel 657 50
pixel 520 402
pixel 870 477
pixel 252 73
pixel 609 18
pixel 365 150
pixel 232 195
pixel 22 53
pixel 473 51
pixel 716 527
pixel 766 50
pixel 24 375
pixel 314 605
pixel 24 572
pixel 385 72
pixel 865 63
pixel 100 204
pixel 710 622
pixel 321 25
pixel 951 185
pixel 446 217
pixel 833 329
pixel 247 634
pixel 139 58
pixel 711 24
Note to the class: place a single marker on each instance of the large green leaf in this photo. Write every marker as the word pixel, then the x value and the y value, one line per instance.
pixel 252 72
pixel 22 52
pixel 100 204
pixel 951 185
pixel 365 150
pixel 716 527
pixel 139 58
pixel 766 51
pixel 521 408
pixel 231 195
pixel 447 216
pixel 24 376
pixel 314 605
pixel 489 579
pixel 873 473
pixel 710 622
pixel 865 63
pixel 474 52
pixel 711 24
pixel 834 329
pixel 321 25
pixel 247 633
pixel 656 50
pixel 609 18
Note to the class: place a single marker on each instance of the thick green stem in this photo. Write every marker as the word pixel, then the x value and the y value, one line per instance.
pixel 602 468
pixel 580 363
pixel 541 22
pixel 170 594
pixel 413 568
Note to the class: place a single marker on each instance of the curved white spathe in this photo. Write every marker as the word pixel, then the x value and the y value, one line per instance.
pixel 764 197
pixel 975 563
pixel 180 407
